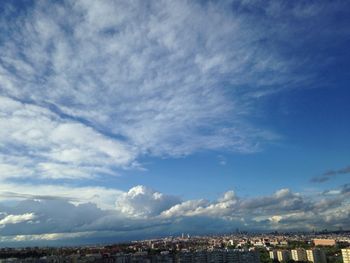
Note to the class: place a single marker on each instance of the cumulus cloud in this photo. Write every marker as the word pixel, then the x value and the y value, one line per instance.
pixel 267 212
pixel 142 201
pixel 184 208
pixel 143 212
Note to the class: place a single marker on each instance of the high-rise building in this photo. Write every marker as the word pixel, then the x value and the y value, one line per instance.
pixel 299 254
pixel 345 252
pixel 283 255
pixel 316 256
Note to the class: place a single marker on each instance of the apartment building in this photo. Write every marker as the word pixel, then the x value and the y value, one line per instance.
pixel 299 254
pixel 316 256
pixel 273 254
pixel 345 252
pixel 283 255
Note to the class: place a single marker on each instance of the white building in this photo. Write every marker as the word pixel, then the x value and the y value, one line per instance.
pixel 346 255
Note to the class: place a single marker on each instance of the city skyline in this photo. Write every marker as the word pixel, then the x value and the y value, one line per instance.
pixel 126 120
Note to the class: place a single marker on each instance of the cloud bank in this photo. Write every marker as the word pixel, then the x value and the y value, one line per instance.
pixel 142 212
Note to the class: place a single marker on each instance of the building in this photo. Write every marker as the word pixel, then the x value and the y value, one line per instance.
pixel 203 256
pixel 345 252
pixel 316 255
pixel 218 256
pixel 249 257
pixel 185 257
pixel 283 255
pixel 232 256
pixel 299 254
pixel 273 254
pixel 324 242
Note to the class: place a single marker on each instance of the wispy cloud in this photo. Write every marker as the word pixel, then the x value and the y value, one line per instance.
pixel 330 174
pixel 116 81
pixel 43 237
pixel 103 197
pixel 38 143
pixel 87 95
pixel 155 79
pixel 128 80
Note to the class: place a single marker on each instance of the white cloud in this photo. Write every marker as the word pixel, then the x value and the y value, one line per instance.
pixel 145 212
pixel 223 207
pixel 95 87
pixel 142 201
pixel 43 237
pixel 90 100
pixel 184 208
pixel 282 210
pixel 15 219
pixel 39 143
pixel 275 218
pixel 155 75
pixel 103 197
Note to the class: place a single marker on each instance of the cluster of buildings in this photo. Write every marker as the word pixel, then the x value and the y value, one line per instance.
pixel 314 255
pixel 219 256
pixel 199 256
pixel 235 248
pixel 205 256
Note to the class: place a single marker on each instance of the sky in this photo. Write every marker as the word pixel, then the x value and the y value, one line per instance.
pixel 123 120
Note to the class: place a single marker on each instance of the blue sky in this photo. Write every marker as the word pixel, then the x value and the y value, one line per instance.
pixel 158 118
